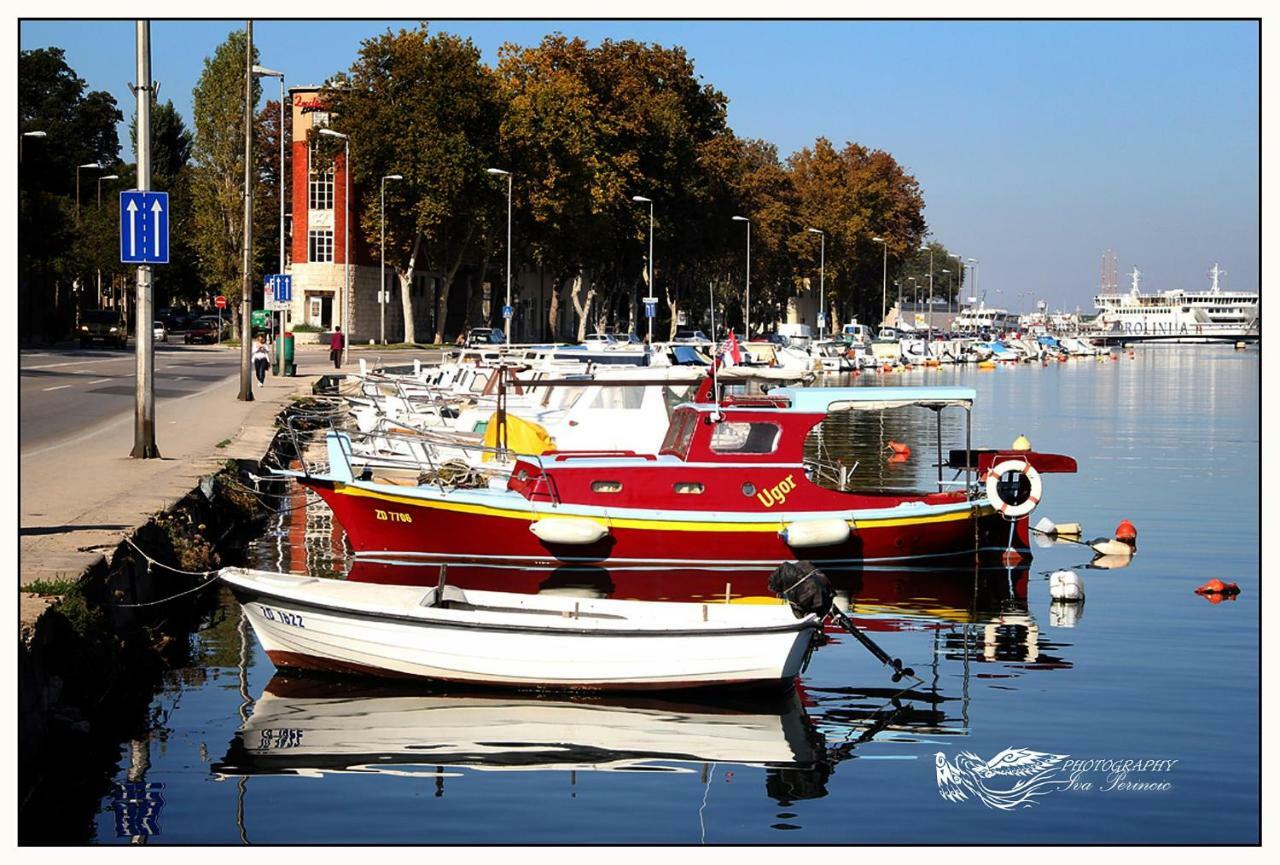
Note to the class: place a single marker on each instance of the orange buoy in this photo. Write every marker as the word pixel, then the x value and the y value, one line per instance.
pixel 898 457
pixel 899 448
pixel 1126 532
pixel 1219 588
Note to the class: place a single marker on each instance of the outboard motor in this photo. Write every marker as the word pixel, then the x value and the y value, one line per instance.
pixel 808 590
pixel 805 587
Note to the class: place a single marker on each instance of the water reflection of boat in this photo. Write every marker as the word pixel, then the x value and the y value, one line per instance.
pixel 307 726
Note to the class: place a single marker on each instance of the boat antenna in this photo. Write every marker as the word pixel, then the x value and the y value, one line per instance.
pixel 715 361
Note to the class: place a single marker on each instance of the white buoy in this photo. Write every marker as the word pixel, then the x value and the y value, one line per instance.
pixel 1111 547
pixel 1046 526
pixel 364 368
pixel 1066 586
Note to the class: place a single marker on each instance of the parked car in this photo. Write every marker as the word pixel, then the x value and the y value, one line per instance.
pixel 105 327
pixel 159 332
pixel 206 329
pixel 478 336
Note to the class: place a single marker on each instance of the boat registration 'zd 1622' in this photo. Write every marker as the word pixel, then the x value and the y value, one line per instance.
pixel 728 486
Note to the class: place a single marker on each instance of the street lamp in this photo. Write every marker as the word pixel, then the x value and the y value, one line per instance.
pixel 97 165
pixel 884 278
pixel 640 199
pixel 346 226
pixel 264 72
pixel 506 310
pixel 822 279
pixel 746 326
pixel 982 298
pixel 960 283
pixel 382 258
pixel 929 313
pixel 34 134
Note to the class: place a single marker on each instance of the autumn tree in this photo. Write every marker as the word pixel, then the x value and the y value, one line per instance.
pixel 217 175
pixel 422 106
pixel 853 195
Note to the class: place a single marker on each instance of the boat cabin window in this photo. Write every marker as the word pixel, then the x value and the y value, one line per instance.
pixel 754 437
pixel 625 397
pixel 689 488
pixel 680 433
pixel 606 486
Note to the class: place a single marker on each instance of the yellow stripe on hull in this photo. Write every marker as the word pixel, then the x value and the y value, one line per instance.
pixel 650 525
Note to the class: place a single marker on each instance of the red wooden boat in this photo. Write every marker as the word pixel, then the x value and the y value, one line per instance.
pixel 729 486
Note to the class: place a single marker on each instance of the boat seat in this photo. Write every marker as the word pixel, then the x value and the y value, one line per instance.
pixel 450 596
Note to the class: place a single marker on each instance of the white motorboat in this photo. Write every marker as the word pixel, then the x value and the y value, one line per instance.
pixel 517 640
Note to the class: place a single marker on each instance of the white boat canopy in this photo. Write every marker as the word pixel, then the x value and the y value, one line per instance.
pixel 832 399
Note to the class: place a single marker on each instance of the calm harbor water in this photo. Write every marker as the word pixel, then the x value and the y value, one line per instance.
pixel 1145 670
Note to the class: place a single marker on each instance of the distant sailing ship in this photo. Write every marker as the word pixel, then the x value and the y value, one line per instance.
pixel 1179 316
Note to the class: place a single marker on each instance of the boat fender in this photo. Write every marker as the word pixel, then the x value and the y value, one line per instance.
pixel 1066 585
pixel 815 533
pixel 568 530
pixel 1007 509
pixel 1069 530
pixel 1111 547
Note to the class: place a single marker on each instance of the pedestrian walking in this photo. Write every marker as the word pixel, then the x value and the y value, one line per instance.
pixel 261 359
pixel 337 343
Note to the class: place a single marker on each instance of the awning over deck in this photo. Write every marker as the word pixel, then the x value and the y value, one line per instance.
pixel 831 399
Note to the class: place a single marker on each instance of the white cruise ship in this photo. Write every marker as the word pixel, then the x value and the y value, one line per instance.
pixel 1180 316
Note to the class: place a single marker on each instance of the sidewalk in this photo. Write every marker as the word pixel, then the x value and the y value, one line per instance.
pixel 79 498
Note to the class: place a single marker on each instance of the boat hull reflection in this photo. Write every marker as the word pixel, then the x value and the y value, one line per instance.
pixel 312 726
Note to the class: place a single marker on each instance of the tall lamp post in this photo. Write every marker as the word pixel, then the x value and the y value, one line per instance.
pixel 640 199
pixel 948 273
pixel 884 278
pixel 506 309
pixel 981 298
pixel 99 270
pixel 746 326
pixel 382 257
pixel 264 72
pixel 346 228
pixel 97 165
pixel 929 312
pixel 959 281
pixel 822 278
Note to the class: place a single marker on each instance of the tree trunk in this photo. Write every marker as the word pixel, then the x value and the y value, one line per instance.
pixel 553 309
pixel 446 282
pixel 581 307
pixel 406 291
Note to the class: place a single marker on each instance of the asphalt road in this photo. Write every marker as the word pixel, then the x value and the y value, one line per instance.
pixel 66 393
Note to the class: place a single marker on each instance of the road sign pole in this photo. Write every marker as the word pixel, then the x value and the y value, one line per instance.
pixel 144 395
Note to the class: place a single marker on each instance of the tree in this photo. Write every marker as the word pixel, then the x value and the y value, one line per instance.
pixel 79 128
pixel 270 186
pixel 217 165
pixel 853 195
pixel 424 107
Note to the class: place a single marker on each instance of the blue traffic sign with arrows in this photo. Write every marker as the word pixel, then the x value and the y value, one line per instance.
pixel 144 227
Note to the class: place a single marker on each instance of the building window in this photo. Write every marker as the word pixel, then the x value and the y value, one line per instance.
pixel 320 195
pixel 320 246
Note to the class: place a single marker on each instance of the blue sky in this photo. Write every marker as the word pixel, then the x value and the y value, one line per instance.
pixel 1037 144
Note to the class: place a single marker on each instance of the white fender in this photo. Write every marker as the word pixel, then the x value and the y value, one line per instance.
pixel 568 530
pixel 815 533
pixel 993 488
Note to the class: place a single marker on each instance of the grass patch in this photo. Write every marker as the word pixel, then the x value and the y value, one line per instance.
pixel 223 443
pixel 50 587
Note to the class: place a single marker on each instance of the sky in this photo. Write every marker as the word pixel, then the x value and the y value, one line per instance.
pixel 1037 145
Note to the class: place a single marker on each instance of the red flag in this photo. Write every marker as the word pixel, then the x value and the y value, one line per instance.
pixel 733 348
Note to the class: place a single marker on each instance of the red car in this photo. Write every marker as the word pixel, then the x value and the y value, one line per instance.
pixel 207 329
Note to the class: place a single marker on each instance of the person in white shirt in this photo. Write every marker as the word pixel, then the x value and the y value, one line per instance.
pixel 261 359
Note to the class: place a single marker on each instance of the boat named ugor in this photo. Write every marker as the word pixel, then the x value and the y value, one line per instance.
pixel 729 485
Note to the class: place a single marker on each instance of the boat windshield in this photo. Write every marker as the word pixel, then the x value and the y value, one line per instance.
pixel 680 433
